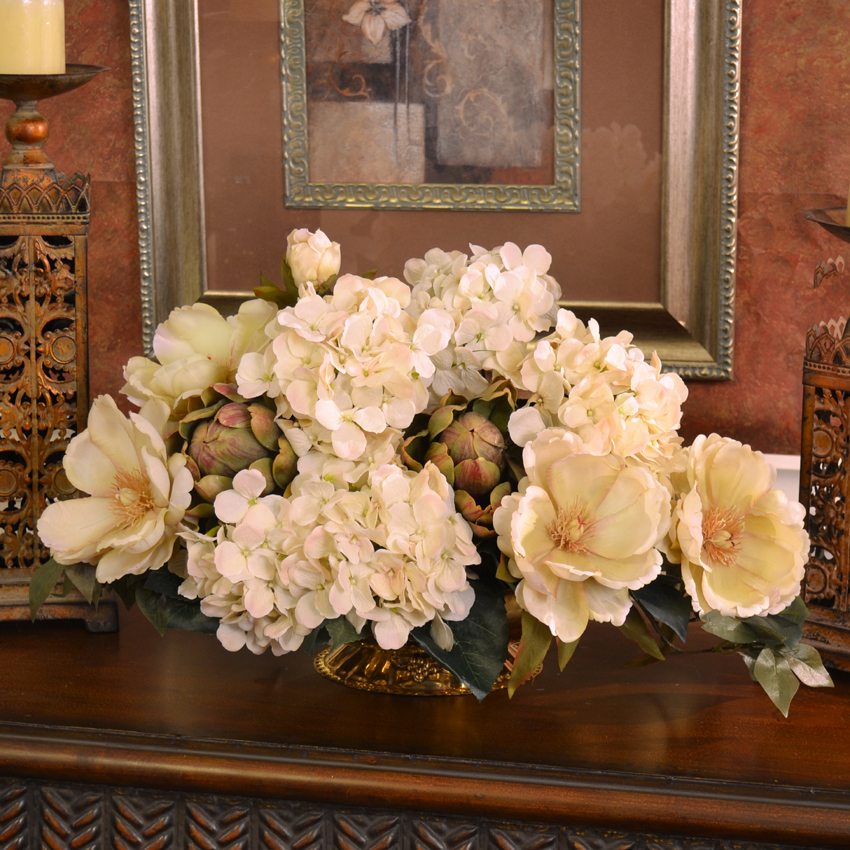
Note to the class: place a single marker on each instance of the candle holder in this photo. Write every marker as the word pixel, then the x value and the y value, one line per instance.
pixel 825 472
pixel 44 222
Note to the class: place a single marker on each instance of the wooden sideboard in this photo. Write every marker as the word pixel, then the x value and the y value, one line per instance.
pixel 129 740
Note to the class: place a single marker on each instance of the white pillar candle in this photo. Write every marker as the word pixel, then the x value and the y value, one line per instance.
pixel 32 36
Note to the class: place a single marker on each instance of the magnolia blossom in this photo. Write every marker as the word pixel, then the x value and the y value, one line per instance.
pixel 741 543
pixel 580 533
pixel 375 17
pixel 138 496
pixel 311 257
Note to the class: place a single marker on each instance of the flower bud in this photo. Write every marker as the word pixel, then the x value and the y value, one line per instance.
pixel 472 436
pixel 285 465
pixel 263 426
pixel 219 450
pixel 477 477
pixel 438 455
pixel 211 485
pixel 311 257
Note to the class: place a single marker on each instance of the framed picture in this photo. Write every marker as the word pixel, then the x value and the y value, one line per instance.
pixel 431 104
pixel 652 248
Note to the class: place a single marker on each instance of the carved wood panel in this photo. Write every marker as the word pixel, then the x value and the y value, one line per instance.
pixel 43 366
pixel 35 814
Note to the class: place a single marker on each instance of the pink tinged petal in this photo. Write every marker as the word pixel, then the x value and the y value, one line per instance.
pixel 628 532
pixel 524 425
pixel 74 529
pixel 231 637
pixel 399 412
pixel 606 605
pixel 328 415
pixel 348 441
pixel 230 506
pixel 391 633
pixel 250 483
pixel 511 255
pixel 229 560
pixel 537 258
pixel 441 634
pixel 340 599
pixel 302 396
pixel 307 611
pixel 259 600
pixel 373 27
pixel 370 419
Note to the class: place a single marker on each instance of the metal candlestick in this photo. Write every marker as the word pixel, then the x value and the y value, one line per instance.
pixel 44 221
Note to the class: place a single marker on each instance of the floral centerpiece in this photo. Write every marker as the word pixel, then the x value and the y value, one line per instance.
pixel 353 457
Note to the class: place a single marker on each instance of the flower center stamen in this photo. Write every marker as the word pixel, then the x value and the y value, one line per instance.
pixel 721 533
pixel 568 528
pixel 132 497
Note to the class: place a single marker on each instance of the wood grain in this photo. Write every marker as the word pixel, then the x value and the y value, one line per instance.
pixel 690 747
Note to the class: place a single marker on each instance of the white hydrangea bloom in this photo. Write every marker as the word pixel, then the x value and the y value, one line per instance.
pixel 393 554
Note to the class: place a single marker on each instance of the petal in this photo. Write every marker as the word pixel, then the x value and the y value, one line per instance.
pixel 75 529
pixel 607 605
pixel 374 28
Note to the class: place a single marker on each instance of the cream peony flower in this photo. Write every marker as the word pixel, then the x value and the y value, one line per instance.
pixel 196 347
pixel 580 533
pixel 742 544
pixel 139 495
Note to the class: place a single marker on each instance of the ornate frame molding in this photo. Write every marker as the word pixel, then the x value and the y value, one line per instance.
pixel 561 196
pixel 691 326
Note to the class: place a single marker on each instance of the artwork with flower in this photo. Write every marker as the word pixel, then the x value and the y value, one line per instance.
pixel 355 458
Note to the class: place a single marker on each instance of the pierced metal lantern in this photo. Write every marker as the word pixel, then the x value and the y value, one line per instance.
pixel 44 222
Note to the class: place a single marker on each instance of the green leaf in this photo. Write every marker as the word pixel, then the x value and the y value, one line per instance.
pixel 796 612
pixel 272 293
pixel 125 587
pixel 481 641
pixel 807 666
pixel 154 606
pixel 665 600
pixel 42 583
pixel 290 287
pixel 163 582
pixel 566 652
pixel 773 673
pixel 370 275
pixel 186 614
pixel 533 646
pixel 728 628
pixel 341 632
pixel 315 640
pixel 635 629
pixel 83 578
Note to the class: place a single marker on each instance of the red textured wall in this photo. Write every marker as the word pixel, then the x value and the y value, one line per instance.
pixel 795 154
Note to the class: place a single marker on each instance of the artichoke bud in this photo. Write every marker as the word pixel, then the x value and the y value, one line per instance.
pixel 234 415
pixel 471 436
pixel 225 444
pixel 285 464
pixel 211 485
pixel 438 454
pixel 264 465
pixel 263 426
pixel 477 477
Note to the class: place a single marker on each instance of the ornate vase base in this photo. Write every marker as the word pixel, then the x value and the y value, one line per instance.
pixel 409 670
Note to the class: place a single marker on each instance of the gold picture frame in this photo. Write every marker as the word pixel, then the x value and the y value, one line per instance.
pixel 692 324
pixel 303 191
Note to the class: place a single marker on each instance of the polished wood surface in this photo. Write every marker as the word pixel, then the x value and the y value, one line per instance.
pixel 690 746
